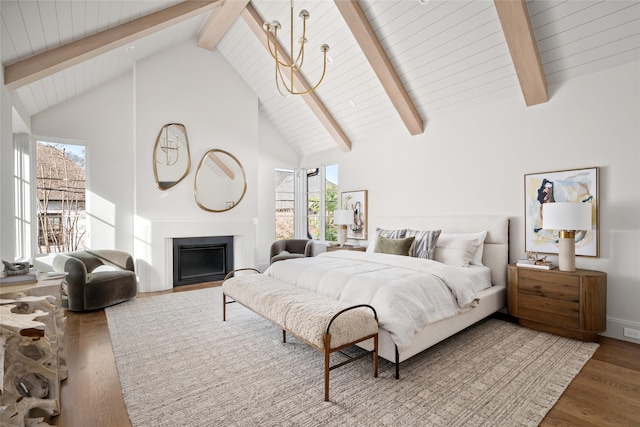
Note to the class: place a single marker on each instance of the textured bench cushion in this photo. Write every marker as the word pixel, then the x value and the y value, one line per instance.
pixel 300 311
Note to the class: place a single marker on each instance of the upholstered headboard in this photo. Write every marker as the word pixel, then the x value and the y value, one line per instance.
pixel 496 245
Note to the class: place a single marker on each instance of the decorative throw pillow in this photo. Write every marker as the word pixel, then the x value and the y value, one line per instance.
pixel 389 234
pixel 424 244
pixel 453 250
pixel 103 268
pixel 472 237
pixel 394 246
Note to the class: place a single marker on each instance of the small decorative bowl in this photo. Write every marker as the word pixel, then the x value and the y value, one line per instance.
pixel 23 268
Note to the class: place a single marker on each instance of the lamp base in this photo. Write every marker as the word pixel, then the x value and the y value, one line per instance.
pixel 567 254
pixel 342 235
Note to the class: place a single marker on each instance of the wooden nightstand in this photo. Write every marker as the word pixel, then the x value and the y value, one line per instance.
pixel 571 304
pixel 346 248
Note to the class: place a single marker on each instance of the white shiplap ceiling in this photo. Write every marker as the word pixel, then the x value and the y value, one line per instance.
pixel 448 54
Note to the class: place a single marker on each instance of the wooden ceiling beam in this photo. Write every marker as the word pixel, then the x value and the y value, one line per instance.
pixel 52 61
pixel 372 48
pixel 219 22
pixel 255 23
pixel 518 31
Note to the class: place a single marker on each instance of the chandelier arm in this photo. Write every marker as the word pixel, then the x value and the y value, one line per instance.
pixel 280 80
pixel 294 65
pixel 324 70
pixel 272 47
pixel 300 58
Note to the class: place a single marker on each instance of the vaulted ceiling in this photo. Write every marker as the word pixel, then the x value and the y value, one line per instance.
pixel 394 64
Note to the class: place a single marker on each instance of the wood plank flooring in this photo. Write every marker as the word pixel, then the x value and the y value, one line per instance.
pixel 605 393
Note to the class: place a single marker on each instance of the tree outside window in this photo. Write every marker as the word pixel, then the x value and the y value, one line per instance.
pixel 60 176
pixel 285 204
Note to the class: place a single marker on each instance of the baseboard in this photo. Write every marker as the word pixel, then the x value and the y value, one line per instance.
pixel 615 329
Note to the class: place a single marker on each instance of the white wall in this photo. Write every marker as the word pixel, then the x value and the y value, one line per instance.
pixel 7 223
pixel 199 89
pixel 103 120
pixel 274 153
pixel 119 123
pixel 474 161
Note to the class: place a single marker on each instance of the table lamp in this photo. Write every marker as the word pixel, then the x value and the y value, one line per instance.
pixel 342 217
pixel 567 217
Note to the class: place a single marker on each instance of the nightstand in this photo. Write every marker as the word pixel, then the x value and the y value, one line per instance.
pixel 571 304
pixel 346 248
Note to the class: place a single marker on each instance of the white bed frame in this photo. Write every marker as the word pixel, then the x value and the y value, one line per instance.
pixel 495 256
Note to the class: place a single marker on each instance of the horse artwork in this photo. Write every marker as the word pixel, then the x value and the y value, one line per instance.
pixel 576 185
pixel 356 202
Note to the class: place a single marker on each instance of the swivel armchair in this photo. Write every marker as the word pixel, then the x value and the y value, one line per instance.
pixel 290 248
pixel 96 278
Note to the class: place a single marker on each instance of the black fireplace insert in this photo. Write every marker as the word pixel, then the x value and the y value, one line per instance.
pixel 201 259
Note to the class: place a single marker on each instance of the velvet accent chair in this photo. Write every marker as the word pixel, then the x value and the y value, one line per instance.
pixel 290 248
pixel 96 278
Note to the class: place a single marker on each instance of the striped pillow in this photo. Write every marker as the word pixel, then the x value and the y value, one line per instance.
pixel 424 244
pixel 389 234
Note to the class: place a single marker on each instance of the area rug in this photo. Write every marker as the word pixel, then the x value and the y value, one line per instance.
pixel 181 365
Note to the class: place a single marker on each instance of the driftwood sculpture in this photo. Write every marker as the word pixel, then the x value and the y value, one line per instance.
pixel 32 331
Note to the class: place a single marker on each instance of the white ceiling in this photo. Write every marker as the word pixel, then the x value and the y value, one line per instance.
pixel 448 54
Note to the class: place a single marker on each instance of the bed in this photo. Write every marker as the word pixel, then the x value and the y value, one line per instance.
pixel 401 339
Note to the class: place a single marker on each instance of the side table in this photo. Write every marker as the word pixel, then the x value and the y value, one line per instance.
pixel 332 248
pixel 571 304
pixel 32 331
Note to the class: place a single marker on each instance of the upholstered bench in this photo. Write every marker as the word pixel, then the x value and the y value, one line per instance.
pixel 323 323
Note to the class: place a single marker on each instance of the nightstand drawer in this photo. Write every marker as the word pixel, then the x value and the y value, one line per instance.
pixel 548 310
pixel 567 289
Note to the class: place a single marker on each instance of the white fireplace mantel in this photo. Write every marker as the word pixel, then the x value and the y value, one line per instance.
pixel 153 246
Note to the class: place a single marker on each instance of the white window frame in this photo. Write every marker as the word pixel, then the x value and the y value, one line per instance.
pixel 302 202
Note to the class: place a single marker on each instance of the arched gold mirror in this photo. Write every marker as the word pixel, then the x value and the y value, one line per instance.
pixel 220 181
pixel 171 157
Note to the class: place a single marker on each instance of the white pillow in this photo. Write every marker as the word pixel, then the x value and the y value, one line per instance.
pixel 460 249
pixel 104 267
pixel 389 234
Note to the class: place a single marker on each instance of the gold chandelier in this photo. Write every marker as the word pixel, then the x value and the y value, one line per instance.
pixel 271 28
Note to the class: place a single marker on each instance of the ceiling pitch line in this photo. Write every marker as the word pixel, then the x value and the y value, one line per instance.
pixel 518 31
pixel 368 41
pixel 218 23
pixel 60 58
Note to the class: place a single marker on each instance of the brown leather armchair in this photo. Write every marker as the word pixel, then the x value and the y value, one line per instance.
pixel 96 278
pixel 290 248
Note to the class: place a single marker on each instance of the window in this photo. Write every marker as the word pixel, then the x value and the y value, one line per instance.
pixel 60 178
pixel 304 208
pixel 322 200
pixel 285 204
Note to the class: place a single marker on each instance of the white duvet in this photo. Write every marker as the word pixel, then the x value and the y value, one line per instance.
pixel 407 293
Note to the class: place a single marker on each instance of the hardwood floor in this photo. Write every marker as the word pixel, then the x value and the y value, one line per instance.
pixel 605 393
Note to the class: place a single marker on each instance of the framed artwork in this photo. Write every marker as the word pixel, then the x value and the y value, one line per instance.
pixel 356 201
pixel 575 185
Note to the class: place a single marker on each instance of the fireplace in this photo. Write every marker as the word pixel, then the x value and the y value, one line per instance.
pixel 201 259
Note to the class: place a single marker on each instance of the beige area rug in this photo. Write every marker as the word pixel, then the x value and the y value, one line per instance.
pixel 181 365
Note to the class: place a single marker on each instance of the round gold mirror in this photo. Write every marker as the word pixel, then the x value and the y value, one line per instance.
pixel 171 157
pixel 220 181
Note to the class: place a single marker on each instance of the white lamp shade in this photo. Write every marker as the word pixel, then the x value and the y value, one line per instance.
pixel 566 216
pixel 342 216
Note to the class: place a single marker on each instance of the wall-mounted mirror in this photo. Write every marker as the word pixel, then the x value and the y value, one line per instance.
pixel 171 157
pixel 220 181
